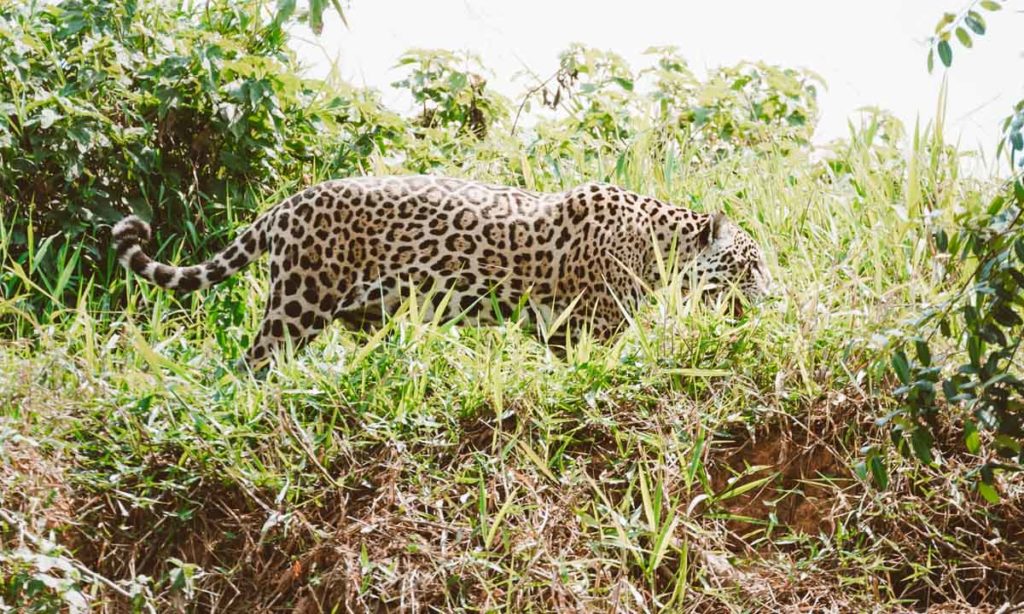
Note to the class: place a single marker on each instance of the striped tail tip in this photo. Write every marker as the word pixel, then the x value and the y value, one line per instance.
pixel 128 233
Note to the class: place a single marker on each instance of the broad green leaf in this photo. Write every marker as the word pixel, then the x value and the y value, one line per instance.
pixel 945 53
pixel 1005 315
pixel 921 441
pixel 901 366
pixel 996 205
pixel 964 37
pixel 924 354
pixel 971 437
pixel 989 492
pixel 975 22
pixel 991 5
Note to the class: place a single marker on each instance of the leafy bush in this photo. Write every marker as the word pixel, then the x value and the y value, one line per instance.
pixel 113 106
pixel 747 106
pixel 456 111
pixel 958 363
pixel 605 105
pixel 451 91
pixel 963 365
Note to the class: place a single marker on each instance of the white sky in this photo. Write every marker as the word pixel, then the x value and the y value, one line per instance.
pixel 870 52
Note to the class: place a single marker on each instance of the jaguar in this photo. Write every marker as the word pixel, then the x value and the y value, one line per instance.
pixel 354 249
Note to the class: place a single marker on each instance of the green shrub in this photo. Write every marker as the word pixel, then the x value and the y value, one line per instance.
pixel 602 106
pixel 168 109
pixel 458 120
pixel 959 363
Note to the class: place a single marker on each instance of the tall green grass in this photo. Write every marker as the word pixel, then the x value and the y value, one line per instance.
pixel 695 462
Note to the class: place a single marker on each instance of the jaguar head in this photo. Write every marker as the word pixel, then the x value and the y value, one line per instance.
pixel 731 259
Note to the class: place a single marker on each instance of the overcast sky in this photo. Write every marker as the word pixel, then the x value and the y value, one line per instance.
pixel 870 52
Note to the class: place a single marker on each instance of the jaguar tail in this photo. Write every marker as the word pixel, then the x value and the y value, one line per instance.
pixel 131 233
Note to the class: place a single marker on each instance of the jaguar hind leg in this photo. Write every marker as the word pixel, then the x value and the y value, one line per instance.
pixel 289 319
pixel 277 331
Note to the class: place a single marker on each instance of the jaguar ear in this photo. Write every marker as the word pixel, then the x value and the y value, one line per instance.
pixel 716 228
pixel 718 225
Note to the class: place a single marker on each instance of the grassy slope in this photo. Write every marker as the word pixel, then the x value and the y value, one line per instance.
pixel 696 463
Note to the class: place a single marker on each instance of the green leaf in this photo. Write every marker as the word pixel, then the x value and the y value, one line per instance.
pixel 1006 444
pixel 931 60
pixel 989 492
pixel 878 471
pixel 964 38
pixel 901 366
pixel 975 22
pixel 924 354
pixel 996 205
pixel 285 9
pixel 1019 248
pixel 1018 190
pixel 457 81
pixel 950 389
pixel 947 18
pixel 974 351
pixel 991 5
pixel 1005 315
pixel 972 438
pixel 945 53
pixel 1017 275
pixel 921 441
pixel 316 16
pixel 625 84
pixel 861 469
pixel 341 12
pixel 970 315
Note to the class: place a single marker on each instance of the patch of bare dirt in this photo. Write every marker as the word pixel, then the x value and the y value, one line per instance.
pixel 808 460
pixel 937 544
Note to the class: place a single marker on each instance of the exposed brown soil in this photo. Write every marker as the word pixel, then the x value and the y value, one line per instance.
pixel 976 558
pixel 316 557
pixel 809 458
